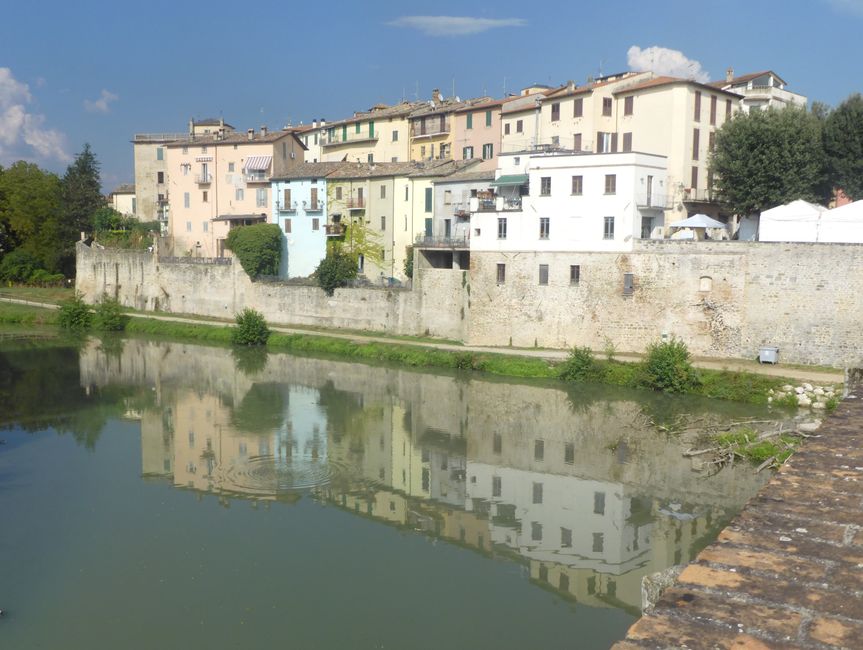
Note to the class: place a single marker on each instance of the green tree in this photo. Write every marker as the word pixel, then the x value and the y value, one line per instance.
pixel 843 146
pixel 361 240
pixel 767 158
pixel 258 247
pixel 335 270
pixel 82 193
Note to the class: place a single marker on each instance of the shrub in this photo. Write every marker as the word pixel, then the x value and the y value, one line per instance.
pixel 409 261
pixel 580 366
pixel 109 316
pixel 75 314
pixel 258 247
pixel 18 266
pixel 667 367
pixel 335 270
pixel 251 328
pixel 42 278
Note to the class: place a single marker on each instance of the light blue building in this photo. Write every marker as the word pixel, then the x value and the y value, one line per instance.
pixel 299 196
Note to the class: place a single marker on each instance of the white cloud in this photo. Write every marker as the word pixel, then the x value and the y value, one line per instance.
pixel 101 105
pixel 22 133
pixel 848 6
pixel 664 61
pixel 454 25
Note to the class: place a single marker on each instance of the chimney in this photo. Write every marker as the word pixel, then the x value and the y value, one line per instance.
pixel 314 123
pixel 729 75
pixel 570 85
pixel 263 130
pixel 323 121
pixel 436 98
pixel 221 123
pixel 251 134
pixel 191 126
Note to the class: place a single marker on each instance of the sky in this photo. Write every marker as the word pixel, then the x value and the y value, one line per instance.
pixel 99 72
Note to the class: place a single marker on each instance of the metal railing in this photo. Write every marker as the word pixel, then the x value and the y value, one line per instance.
pixel 203 179
pixel 431 128
pixel 326 142
pixel 700 195
pixel 425 241
pixel 356 204
pixel 159 137
pixel 224 261
pixel 256 178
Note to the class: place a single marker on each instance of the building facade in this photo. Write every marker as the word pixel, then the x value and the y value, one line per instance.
pixel 123 200
pixel 760 90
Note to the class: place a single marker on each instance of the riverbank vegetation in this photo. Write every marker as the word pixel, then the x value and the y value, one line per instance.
pixel 768 449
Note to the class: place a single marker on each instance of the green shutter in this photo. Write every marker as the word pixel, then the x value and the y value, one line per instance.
pixel 488 118
pixel 428 199
pixel 344 132
pixel 470 120
pixel 371 129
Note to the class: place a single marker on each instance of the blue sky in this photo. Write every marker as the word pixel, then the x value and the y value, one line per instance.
pixel 99 72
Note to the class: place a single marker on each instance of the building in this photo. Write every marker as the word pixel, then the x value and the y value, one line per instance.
pixel 476 133
pixel 380 134
pixel 222 180
pixel 123 200
pixel 760 90
pixel 151 168
pixel 299 199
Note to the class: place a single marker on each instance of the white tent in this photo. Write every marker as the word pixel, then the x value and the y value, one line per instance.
pixel 695 227
pixel 795 221
pixel 843 225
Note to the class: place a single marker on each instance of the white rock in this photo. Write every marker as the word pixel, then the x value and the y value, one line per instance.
pixel 818 391
pixel 807 386
pixel 819 405
pixel 770 400
pixel 809 427
pixel 800 390
pixel 802 400
pixel 788 388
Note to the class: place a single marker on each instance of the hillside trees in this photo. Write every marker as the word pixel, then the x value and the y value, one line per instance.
pixel 843 146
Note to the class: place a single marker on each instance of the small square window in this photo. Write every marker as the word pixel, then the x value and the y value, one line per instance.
pixel 611 184
pixel 577 185
pixel 316 223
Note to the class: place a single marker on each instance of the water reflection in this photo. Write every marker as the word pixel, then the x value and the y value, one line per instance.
pixel 578 487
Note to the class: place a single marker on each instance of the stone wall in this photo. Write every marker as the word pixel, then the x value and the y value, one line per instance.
pixel 144 281
pixel 724 299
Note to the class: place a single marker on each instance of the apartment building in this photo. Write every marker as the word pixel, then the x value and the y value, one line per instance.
pixel 381 134
pixel 433 127
pixel 476 133
pixel 222 180
pixel 760 90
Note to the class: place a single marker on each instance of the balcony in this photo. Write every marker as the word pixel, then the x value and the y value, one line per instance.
pixel 696 195
pixel 457 242
pixel 432 127
pixel 356 204
pixel 652 200
pixel 359 139
pixel 256 178
pixel 203 179
pixel 335 229
pixel 313 206
pixel 292 207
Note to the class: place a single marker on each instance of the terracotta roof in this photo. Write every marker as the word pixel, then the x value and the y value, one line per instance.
pixel 668 81
pixel 746 78
pixel 397 110
pixel 449 105
pixel 468 174
pixel 487 104
pixel 236 137
pixel 307 170
pixel 413 169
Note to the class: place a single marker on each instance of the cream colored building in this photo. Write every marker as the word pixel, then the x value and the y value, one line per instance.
pixel 381 134
pixel 220 181
pixel 760 90
pixel 433 126
pixel 123 200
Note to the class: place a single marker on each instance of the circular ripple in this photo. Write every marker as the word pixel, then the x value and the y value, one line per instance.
pixel 267 475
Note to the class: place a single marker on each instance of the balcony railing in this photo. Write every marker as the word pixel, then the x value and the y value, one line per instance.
pixel 292 207
pixel 358 139
pixel 335 229
pixel 432 127
pixel 425 241
pixel 697 195
pixel 203 179
pixel 256 178
pixel 315 206
pixel 652 200
pixel 356 204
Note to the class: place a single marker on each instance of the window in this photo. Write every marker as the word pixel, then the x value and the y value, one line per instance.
pixel 611 184
pixel 545 186
pixel 188 226
pixel 230 166
pixel 599 503
pixel 395 136
pixel 316 223
pixel 711 141
pixel 538 449
pixel 186 169
pixel 495 486
pixel 423 152
pixel 695 142
pixel 204 196
pixel 697 112
pixel 447 197
pixel 469 120
pixel 497 443
pixel 606 142
pixel 694 184
pixel 357 127
pixel 506 129
pixel 204 149
pixel 598 542
pixel 160 153
pixel 287 225
pixel 383 191
pixel 467 153
pixel 628 284
pixel 185 150
pixel 428 199
pixel 555 140
pixel 627 142
pixel 727 109
pixel 576 142
pixel 160 177
pixel 566 538
pixel 501 273
pixel 536 531
pixel 608 228
pixel 261 197
pixel 544 226
pixel 371 128
pixel 370 159
pixel 627 105
pixel 606 106
pixel 713 101
pixel 488 118
pixel 537 492
pixel 519 126
pixel 313 199
pixel 578 107
pixel 487 151
pixel 516 160
pixel 286 198
pixel 555 111
pixel 186 199
pixel 574 273
pixel 383 223
pixel 501 227
pixel 543 275
pixel 407 189
pixel 569 450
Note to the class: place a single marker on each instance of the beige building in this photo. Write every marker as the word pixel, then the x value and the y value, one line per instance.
pixel 760 90
pixel 123 200
pixel 381 134
pixel 476 133
pixel 222 180
pixel 433 126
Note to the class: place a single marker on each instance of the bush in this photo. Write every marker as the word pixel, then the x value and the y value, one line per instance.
pixel 18 266
pixel 580 366
pixel 42 278
pixel 75 314
pixel 335 270
pixel 109 316
pixel 251 329
pixel 409 262
pixel 667 367
pixel 258 247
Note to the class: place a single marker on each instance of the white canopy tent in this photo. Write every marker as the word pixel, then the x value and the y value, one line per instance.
pixel 843 225
pixel 695 227
pixel 795 221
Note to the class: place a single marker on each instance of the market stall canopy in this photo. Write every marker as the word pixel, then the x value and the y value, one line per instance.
pixel 795 221
pixel 697 221
pixel 843 224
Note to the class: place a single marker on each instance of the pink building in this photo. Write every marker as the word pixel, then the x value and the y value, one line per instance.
pixel 476 133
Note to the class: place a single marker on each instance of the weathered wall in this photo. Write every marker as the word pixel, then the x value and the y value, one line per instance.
pixel 144 281
pixel 724 299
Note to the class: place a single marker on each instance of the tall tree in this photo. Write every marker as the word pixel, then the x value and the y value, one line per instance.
pixel 29 212
pixel 82 193
pixel 843 146
pixel 767 158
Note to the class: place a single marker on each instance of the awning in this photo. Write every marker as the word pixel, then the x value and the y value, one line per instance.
pixel 241 217
pixel 258 163
pixel 511 179
pixel 203 158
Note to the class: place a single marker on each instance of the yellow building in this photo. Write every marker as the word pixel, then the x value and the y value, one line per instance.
pixel 378 135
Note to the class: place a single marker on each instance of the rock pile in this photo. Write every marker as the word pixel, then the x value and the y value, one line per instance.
pixel 817 398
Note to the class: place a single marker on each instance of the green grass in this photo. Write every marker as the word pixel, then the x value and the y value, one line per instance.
pixel 744 443
pixel 39 294
pixel 12 314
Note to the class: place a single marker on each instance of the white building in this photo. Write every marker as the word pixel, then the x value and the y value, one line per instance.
pixel 123 200
pixel 566 201
pixel 760 90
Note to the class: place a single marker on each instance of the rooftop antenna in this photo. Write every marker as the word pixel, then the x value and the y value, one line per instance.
pixel 453 86
pixel 504 86
pixel 417 92
pixel 601 62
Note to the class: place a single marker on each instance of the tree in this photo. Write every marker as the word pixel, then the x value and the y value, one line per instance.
pixel 767 158
pixel 82 193
pixel 335 270
pixel 843 146
pixel 361 240
pixel 258 247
